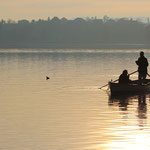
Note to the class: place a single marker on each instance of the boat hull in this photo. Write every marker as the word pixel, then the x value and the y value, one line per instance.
pixel 117 89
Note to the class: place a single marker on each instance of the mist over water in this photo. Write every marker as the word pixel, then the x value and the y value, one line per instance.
pixel 68 111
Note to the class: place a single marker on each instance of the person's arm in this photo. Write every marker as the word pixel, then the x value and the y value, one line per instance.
pixel 137 62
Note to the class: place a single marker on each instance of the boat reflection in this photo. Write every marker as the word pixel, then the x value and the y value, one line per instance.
pixel 131 125
pixel 142 110
pixel 131 102
pixel 121 101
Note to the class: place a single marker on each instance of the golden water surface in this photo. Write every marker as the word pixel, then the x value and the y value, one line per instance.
pixel 68 111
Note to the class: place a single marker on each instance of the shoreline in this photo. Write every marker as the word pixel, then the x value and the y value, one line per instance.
pixel 71 45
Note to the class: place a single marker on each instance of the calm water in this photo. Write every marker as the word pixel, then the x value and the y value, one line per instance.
pixel 68 112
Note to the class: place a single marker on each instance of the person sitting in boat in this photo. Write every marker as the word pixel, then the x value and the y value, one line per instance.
pixel 142 66
pixel 124 77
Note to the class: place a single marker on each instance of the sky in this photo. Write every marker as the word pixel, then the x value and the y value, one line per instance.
pixel 35 9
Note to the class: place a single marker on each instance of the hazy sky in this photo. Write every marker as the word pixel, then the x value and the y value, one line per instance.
pixel 34 9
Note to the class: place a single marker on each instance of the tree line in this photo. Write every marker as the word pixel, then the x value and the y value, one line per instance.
pixel 105 30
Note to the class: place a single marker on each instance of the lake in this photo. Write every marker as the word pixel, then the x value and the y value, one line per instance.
pixel 68 111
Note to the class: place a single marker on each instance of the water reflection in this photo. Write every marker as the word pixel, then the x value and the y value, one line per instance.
pixel 142 107
pixel 121 101
pixel 134 122
pixel 125 102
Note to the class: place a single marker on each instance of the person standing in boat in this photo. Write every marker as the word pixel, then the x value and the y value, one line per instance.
pixel 124 77
pixel 142 66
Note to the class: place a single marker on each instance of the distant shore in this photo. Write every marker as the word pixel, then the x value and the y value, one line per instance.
pixel 71 45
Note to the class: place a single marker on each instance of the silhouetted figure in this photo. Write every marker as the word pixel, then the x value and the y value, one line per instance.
pixel 47 78
pixel 142 66
pixel 124 77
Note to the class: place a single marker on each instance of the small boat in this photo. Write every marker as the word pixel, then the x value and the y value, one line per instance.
pixel 135 87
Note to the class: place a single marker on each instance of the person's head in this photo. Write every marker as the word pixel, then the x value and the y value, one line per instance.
pixel 125 72
pixel 141 53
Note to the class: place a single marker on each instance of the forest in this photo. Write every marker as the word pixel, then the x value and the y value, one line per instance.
pixel 89 30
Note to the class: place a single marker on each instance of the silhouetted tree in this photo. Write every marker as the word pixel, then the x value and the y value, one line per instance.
pixel 106 30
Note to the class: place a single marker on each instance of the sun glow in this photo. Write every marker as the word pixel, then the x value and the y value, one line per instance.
pixel 130 142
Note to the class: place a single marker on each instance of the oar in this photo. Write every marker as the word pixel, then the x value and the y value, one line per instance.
pixel 148 74
pixel 107 84
pixel 117 79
